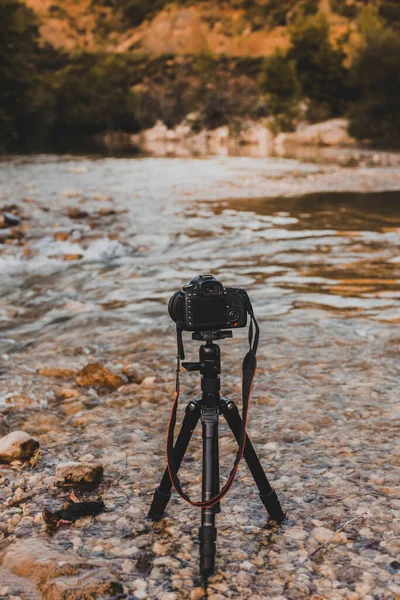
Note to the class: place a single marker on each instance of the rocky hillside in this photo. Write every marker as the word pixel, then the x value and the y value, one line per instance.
pixel 232 27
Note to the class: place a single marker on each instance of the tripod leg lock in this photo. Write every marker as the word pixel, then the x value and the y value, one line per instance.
pixel 208 537
pixel 273 506
pixel 157 508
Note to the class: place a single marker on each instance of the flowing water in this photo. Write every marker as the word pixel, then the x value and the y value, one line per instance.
pixel 332 251
pixel 315 245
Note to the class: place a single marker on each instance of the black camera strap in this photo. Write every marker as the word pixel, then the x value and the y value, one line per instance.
pixel 248 371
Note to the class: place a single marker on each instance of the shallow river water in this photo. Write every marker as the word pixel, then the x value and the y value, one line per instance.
pixel 103 244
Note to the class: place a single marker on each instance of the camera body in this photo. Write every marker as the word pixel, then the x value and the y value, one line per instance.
pixel 205 304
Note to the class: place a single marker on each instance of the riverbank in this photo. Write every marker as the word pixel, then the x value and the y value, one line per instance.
pixel 328 142
pixel 86 276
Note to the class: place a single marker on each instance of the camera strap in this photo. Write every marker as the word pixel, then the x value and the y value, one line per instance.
pixel 248 372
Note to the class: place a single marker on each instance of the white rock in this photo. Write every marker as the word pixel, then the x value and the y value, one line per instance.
pixel 324 535
pixel 17 445
pixel 328 133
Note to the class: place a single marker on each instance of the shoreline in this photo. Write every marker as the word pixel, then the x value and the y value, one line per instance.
pixel 102 244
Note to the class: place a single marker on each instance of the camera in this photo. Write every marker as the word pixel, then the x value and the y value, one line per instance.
pixel 206 304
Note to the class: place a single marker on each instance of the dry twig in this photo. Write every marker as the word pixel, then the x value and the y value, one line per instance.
pixel 335 533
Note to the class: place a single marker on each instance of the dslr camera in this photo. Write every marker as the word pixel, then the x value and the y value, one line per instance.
pixel 205 304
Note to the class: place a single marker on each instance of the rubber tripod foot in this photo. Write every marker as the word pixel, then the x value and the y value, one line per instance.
pixel 273 506
pixel 157 508
pixel 208 537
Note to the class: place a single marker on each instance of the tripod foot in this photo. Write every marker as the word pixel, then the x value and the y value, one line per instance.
pixel 273 506
pixel 158 505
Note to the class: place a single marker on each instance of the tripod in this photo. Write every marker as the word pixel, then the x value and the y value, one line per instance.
pixel 208 408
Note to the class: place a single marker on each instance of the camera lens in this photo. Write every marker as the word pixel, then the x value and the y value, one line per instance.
pixel 233 314
pixel 175 306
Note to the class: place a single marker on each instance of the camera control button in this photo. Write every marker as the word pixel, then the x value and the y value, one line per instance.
pixel 233 314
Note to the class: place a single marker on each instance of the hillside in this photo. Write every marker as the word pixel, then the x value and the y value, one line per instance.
pixel 234 27
pixel 87 67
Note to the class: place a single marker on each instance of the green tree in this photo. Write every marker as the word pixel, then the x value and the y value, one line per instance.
pixel 19 54
pixel 319 66
pixel 94 94
pixel 375 74
pixel 282 88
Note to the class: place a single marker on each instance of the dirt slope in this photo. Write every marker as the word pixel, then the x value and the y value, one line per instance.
pixel 202 27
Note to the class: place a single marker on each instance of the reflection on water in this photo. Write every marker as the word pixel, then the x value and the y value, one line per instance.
pixel 150 224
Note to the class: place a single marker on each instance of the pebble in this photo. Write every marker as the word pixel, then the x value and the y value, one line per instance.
pixel 57 372
pixel 324 535
pixel 17 445
pixel 247 565
pixel 197 593
pixel 97 375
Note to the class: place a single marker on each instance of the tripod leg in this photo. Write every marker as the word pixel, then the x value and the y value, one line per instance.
pixel 267 493
pixel 208 531
pixel 162 494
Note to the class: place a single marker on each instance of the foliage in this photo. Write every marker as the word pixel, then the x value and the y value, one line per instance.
pixel 376 74
pixel 319 66
pixel 369 22
pixel 389 10
pixel 283 91
pixel 93 94
pixel 24 93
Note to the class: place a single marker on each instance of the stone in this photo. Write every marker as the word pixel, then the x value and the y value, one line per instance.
pixel 70 257
pixel 57 372
pixel 9 220
pixel 323 535
pixel 99 583
pixel 333 132
pixel 77 213
pixel 17 445
pixel 350 574
pixel 97 375
pixel 77 473
pixel 197 593
pixel 149 381
pixel 38 561
pixel 133 372
pixel 67 393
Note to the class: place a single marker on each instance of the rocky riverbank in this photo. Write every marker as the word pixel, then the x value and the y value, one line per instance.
pixel 87 371
pixel 328 141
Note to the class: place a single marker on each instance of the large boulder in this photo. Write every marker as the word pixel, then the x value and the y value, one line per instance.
pixel 328 133
pixel 60 575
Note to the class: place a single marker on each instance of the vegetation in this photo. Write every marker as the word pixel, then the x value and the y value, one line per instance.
pixel 281 85
pixel 24 92
pixel 375 74
pixel 319 67
pixel 387 9
pixel 47 93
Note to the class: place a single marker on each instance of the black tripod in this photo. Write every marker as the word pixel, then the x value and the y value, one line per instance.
pixel 208 408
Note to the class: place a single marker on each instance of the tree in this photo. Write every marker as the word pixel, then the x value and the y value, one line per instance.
pixel 94 94
pixel 19 50
pixel 280 83
pixel 375 73
pixel 319 67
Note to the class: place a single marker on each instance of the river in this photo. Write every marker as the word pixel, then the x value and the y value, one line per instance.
pixel 103 244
